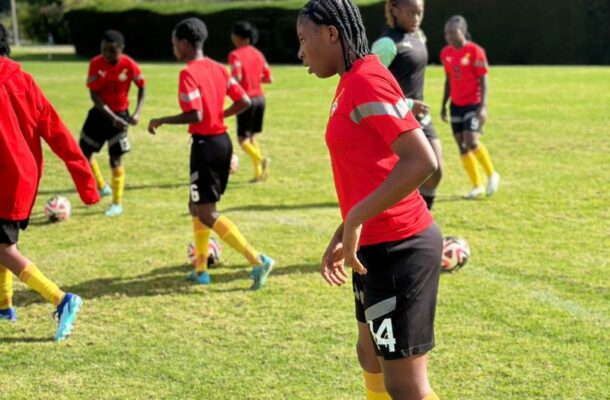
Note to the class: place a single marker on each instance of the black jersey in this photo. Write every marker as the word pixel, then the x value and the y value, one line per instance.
pixel 409 64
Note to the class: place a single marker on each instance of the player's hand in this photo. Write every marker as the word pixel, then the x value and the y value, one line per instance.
pixel 351 238
pixel 482 115
pixel 153 125
pixel 134 119
pixel 444 114
pixel 333 269
pixel 419 107
pixel 120 123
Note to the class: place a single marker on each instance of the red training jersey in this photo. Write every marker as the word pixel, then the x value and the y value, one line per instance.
pixel 464 67
pixel 112 81
pixel 26 118
pixel 203 85
pixel 249 67
pixel 369 112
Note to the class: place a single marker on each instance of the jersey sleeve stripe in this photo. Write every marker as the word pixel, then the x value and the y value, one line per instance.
pixel 231 82
pixel 398 110
pixel 189 97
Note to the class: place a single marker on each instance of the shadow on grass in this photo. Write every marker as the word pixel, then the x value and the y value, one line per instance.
pixel 160 281
pixel 274 207
pixel 52 192
pixel 18 339
pixel 45 57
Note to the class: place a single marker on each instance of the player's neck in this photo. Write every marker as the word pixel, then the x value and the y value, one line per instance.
pixel 461 45
pixel 196 55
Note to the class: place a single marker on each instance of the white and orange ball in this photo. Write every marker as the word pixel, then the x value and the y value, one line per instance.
pixel 58 208
pixel 214 252
pixel 456 253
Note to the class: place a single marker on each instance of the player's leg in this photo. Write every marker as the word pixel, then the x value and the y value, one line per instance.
pixel 428 188
pixel 91 141
pixel 473 142
pixel 257 129
pixel 244 135
pixel 118 145
pixel 11 258
pixel 469 161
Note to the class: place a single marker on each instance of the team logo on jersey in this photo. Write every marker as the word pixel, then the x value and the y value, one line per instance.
pixel 335 104
pixel 408 45
pixel 101 73
pixel 465 60
pixel 448 59
pixel 123 75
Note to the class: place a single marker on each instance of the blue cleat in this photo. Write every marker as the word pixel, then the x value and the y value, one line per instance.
pixel 105 191
pixel 261 272
pixel 8 314
pixel 203 278
pixel 114 210
pixel 66 314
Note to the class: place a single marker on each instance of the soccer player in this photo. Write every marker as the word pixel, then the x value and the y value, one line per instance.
pixel 379 158
pixel 249 68
pixel 109 79
pixel 403 50
pixel 26 118
pixel 203 84
pixel 466 84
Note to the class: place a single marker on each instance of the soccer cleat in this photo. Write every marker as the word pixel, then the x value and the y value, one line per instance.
pixel 475 193
pixel 105 191
pixel 266 165
pixel 203 278
pixel 114 210
pixel 261 272
pixel 8 314
pixel 492 183
pixel 66 314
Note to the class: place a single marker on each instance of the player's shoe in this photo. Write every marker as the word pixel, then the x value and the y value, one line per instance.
pixel 8 314
pixel 492 183
pixel 114 210
pixel 475 193
pixel 202 278
pixel 105 191
pixel 266 165
pixel 261 272
pixel 66 314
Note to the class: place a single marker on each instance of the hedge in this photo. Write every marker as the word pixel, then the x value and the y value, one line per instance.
pixel 512 32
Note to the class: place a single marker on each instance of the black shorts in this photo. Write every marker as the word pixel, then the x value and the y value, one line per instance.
pixel 98 129
pixel 210 164
pixel 9 230
pixel 464 119
pixel 250 121
pixel 397 297
pixel 427 127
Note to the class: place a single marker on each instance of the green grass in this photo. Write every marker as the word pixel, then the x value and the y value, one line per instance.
pixel 527 318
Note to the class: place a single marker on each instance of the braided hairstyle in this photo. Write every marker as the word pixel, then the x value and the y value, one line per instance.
pixel 246 30
pixel 461 24
pixel 5 49
pixel 345 16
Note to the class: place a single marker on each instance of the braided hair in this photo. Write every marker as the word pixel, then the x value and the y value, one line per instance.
pixel 461 24
pixel 246 30
pixel 5 49
pixel 345 16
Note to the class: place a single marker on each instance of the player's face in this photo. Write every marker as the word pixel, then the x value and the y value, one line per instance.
pixel 319 47
pixel 409 15
pixel 237 40
pixel 111 51
pixel 454 35
pixel 180 48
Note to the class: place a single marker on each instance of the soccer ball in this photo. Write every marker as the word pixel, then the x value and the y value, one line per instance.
pixel 234 164
pixel 214 252
pixel 57 208
pixel 455 253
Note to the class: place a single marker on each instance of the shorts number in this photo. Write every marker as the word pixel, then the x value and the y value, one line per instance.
pixel 194 193
pixel 124 143
pixel 384 335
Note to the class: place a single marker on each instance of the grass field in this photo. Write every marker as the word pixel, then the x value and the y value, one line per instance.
pixel 527 318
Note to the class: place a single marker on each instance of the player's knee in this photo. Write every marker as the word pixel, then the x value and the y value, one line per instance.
pixel 367 357
pixel 115 161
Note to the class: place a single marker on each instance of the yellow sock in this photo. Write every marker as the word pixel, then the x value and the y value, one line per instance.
pixel 256 157
pixel 431 396
pixel 375 387
pixel 35 279
pixel 99 178
pixel 202 238
pixel 470 165
pixel 483 156
pixel 6 288
pixel 257 146
pixel 228 232
pixel 118 184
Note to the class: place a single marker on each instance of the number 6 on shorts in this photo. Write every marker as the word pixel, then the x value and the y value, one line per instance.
pixel 194 193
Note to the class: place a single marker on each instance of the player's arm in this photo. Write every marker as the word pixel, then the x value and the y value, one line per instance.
pixel 135 118
pixel 445 99
pixel 187 117
pixel 482 110
pixel 267 78
pixel 241 101
pixel 103 107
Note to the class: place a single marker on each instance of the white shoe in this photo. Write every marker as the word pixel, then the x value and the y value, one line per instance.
pixel 475 193
pixel 492 183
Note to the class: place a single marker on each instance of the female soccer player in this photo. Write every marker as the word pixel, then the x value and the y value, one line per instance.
pixel 403 50
pixel 109 80
pixel 466 84
pixel 203 85
pixel 26 118
pixel 249 68
pixel 379 158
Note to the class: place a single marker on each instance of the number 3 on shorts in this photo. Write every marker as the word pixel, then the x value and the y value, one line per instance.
pixel 194 193
pixel 384 335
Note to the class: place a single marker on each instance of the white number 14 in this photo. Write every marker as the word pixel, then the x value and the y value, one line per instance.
pixel 384 335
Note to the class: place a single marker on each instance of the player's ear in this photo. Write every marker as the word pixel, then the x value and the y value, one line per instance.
pixel 333 34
